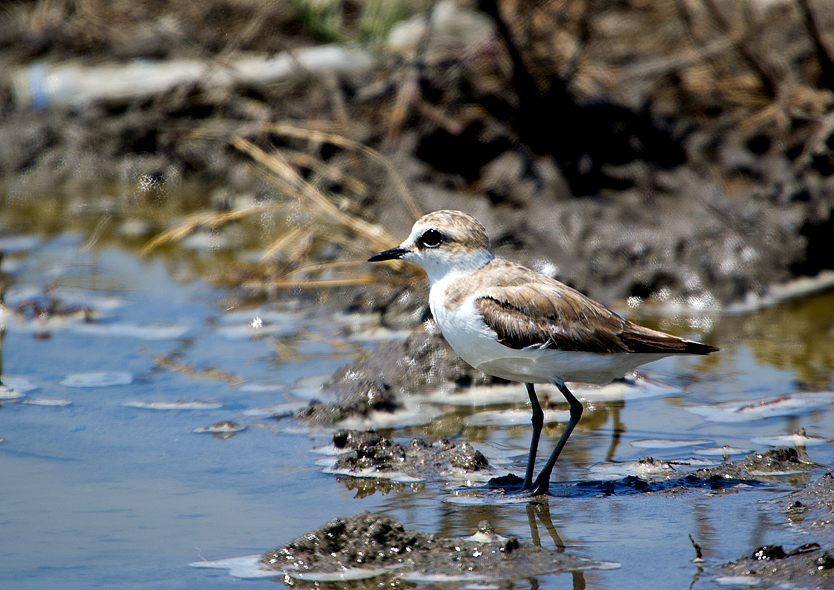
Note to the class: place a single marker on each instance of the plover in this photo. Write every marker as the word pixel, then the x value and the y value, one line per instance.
pixel 518 324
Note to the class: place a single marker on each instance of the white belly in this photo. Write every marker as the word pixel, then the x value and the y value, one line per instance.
pixel 478 345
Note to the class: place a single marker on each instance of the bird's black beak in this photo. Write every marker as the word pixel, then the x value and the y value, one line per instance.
pixel 392 254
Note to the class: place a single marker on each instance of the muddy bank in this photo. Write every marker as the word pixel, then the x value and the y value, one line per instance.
pixel 367 545
pixel 782 464
pixel 367 454
pixel 631 150
pixel 388 376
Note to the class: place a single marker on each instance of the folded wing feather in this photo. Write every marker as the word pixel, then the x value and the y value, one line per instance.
pixel 537 311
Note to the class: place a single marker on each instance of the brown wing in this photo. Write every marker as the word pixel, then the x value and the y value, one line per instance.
pixel 536 311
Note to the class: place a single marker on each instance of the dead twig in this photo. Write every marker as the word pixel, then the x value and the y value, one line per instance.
pixel 824 57
pixel 763 70
pixel 344 142
pixel 204 219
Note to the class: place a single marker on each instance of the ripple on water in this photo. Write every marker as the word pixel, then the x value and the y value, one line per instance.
pixel 176 405
pixel 647 468
pixel 738 581
pixel 279 410
pixel 98 379
pixel 140 331
pixel 46 401
pixel 223 427
pixel 18 384
pixel 243 566
pixel 21 243
pixel 9 394
pixel 412 414
pixel 513 417
pixel 262 387
pixel 769 407
pixel 246 324
pixel 792 440
pixel 660 443
pixel 724 451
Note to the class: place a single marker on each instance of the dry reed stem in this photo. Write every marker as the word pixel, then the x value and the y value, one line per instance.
pixel 203 218
pixel 275 168
pixel 341 141
pixel 287 239
pixel 376 235
pixel 368 279
pixel 333 173
pixel 319 266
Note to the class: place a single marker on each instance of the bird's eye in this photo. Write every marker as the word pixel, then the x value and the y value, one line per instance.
pixel 431 238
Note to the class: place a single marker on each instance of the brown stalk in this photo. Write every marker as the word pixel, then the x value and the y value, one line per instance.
pixel 341 141
pixel 376 235
pixel 203 219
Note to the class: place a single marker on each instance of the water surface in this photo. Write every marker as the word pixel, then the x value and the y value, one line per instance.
pixel 95 493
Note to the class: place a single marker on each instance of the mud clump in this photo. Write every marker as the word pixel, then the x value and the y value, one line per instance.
pixel 813 506
pixel 782 465
pixel 370 454
pixel 378 383
pixel 380 545
pixel 775 463
pixel 757 467
pixel 806 566
pixel 810 565
pixel 361 541
pixel 778 461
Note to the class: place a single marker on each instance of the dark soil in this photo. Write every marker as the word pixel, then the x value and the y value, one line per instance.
pixel 369 451
pixel 781 465
pixel 421 363
pixel 372 541
pixel 646 150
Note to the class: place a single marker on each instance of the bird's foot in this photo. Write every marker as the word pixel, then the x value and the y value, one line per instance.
pixel 537 489
pixel 512 484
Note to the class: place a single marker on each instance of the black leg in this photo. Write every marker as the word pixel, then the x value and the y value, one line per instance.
pixel 542 483
pixel 538 423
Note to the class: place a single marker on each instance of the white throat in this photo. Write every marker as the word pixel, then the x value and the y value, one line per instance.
pixel 444 265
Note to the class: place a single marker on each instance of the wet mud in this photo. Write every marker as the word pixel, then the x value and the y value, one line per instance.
pixel 781 465
pixel 810 565
pixel 370 454
pixel 369 545
pixel 373 544
pixel 388 375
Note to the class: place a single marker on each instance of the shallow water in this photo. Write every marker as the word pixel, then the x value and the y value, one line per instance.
pixel 97 493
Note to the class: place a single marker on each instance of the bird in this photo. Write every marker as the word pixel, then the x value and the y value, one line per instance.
pixel 520 325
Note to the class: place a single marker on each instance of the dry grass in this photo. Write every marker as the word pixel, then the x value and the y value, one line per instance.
pixel 318 216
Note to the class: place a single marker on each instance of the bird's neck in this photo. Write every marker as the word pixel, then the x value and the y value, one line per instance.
pixel 457 264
